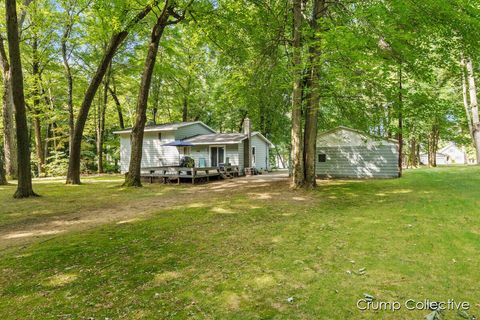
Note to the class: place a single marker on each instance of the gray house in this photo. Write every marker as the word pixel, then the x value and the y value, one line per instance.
pixel 348 153
pixel 165 145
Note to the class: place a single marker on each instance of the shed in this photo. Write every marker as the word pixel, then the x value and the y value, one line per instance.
pixel 349 153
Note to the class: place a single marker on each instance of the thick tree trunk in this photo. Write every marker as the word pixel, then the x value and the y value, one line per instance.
pixel 296 134
pixel 474 108
pixel 132 179
pixel 400 122
pixel 24 188
pixel 313 103
pixel 8 116
pixel 73 175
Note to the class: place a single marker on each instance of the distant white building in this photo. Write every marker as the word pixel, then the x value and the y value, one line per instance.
pixel 451 154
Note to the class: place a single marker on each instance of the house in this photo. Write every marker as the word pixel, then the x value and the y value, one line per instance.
pixel 348 153
pixel 440 158
pixel 166 144
pixel 450 154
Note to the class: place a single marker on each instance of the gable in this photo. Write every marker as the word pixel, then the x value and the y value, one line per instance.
pixel 342 136
pixel 193 129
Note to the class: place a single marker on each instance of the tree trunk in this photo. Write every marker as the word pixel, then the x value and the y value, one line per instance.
pixel 24 188
pixel 296 133
pixel 101 125
pixel 3 178
pixel 8 116
pixel 465 104
pixel 412 153
pixel 185 108
pixel 433 145
pixel 400 122
pixel 132 179
pixel 417 155
pixel 474 108
pixel 313 103
pixel 68 74
pixel 118 106
pixel 73 175
pixel 36 108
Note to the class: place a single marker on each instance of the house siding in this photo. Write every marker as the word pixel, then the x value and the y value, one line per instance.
pixel 261 153
pixel 231 152
pixel 372 161
pixel 241 158
pixel 154 154
pixel 191 130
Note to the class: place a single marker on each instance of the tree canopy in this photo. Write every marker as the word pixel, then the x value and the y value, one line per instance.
pixel 391 68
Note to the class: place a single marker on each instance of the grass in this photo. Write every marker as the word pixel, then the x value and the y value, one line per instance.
pixel 243 257
pixel 58 199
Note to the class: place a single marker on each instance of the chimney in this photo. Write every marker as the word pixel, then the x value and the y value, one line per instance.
pixel 247 130
pixel 247 127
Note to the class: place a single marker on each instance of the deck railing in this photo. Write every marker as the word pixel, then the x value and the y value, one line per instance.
pixel 168 174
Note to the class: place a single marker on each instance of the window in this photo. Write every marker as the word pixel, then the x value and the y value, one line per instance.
pixel 322 157
pixel 253 156
pixel 159 136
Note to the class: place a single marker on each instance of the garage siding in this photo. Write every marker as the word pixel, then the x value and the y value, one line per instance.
pixel 374 161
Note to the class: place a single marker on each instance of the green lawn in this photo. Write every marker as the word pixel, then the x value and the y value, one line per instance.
pixel 242 257
pixel 57 198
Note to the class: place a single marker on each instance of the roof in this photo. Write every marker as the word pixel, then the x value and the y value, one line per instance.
pixel 216 138
pixel 165 127
pixel 178 143
pixel 451 144
pixel 436 154
pixel 223 138
pixel 355 131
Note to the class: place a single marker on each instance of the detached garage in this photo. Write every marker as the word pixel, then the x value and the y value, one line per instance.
pixel 348 153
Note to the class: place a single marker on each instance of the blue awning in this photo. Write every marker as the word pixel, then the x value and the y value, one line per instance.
pixel 178 143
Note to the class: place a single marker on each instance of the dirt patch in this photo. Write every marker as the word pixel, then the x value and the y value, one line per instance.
pixel 263 187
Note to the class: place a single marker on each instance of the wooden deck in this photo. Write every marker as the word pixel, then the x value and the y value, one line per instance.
pixel 173 174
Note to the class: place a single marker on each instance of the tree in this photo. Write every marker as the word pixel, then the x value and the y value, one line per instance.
pixel 24 189
pixel 132 179
pixel 474 108
pixel 3 178
pixel 319 10
pixel 73 175
pixel 8 118
pixel 298 177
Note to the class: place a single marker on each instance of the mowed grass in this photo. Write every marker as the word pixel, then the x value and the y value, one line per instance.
pixel 57 198
pixel 242 257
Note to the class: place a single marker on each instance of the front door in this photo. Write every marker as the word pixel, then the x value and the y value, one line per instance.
pixel 217 156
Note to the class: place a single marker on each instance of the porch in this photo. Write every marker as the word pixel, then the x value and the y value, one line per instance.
pixel 178 174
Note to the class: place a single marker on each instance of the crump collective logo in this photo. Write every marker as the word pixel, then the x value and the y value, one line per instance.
pixel 369 303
